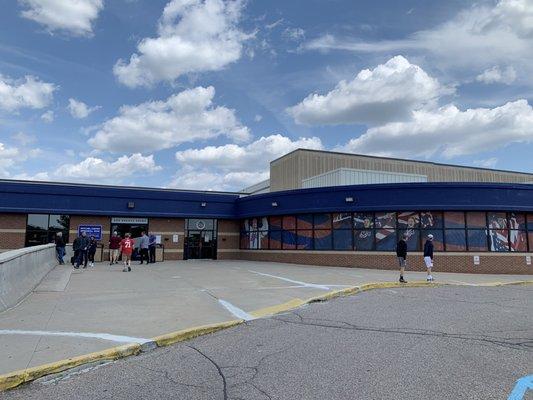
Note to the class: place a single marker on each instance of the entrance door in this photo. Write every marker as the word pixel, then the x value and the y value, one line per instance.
pixel 200 239
pixel 134 226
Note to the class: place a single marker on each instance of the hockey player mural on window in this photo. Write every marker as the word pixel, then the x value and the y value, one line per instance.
pixel 256 232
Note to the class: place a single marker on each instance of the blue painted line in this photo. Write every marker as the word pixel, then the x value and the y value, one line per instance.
pixel 521 387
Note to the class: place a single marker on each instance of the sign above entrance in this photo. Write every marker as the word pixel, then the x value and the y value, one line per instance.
pixel 91 230
pixel 128 220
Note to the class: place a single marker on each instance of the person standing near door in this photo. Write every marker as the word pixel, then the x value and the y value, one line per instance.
pixel 114 246
pixel 143 247
pixel 93 244
pixel 83 247
pixel 60 247
pixel 126 248
pixel 152 241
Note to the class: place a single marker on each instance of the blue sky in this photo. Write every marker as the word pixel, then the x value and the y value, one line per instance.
pixel 203 94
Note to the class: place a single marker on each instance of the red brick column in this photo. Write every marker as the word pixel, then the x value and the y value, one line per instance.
pixel 12 231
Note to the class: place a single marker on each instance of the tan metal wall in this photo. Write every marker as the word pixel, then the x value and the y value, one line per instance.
pixel 288 171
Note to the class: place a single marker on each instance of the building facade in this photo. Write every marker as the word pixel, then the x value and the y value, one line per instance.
pixel 303 168
pixel 478 227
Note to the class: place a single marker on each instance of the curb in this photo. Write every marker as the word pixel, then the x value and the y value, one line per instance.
pixel 16 378
pixel 190 333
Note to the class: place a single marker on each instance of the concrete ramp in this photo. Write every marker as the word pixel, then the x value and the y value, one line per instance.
pixel 22 270
pixel 56 280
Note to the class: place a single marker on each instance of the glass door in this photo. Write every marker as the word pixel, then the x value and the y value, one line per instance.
pixel 200 239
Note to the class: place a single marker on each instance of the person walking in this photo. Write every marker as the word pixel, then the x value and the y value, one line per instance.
pixel 428 256
pixel 93 244
pixel 143 247
pixel 126 248
pixel 114 246
pixel 152 242
pixel 60 247
pixel 83 247
pixel 401 253
pixel 76 245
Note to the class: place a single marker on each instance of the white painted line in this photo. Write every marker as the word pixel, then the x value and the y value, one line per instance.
pixel 339 286
pixel 236 310
pixel 465 283
pixel 102 336
pixel 304 284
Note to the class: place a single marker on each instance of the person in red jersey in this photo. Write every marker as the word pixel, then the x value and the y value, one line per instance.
pixel 126 248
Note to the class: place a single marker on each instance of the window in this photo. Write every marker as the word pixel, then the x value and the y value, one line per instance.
pixel 342 231
pixel 42 228
pixel 322 232
pixel 254 233
pixel 385 231
pixel 454 234
pixel 431 223
pixel 408 223
pixel 363 234
pixel 498 231
pixel 304 233
pixel 455 239
pixel 476 237
pixel 459 231
pixel 517 232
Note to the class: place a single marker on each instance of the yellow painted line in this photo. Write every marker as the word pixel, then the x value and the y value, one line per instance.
pixel 13 379
pixel 16 378
pixel 190 333
pixel 279 308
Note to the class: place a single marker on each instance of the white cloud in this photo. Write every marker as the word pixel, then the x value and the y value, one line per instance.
pixel 79 109
pixel 449 131
pixel 155 125
pixel 94 169
pixel 24 139
pixel 48 116
pixel 389 92
pixel 11 157
pixel 294 34
pixel 496 75
pixel 8 157
pixel 193 36
pixel 39 176
pixel 258 118
pixel 74 17
pixel 29 92
pixel 232 167
pixel 476 38
pixel 486 163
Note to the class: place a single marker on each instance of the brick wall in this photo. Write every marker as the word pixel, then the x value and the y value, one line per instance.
pixel 13 227
pixel 228 240
pixel 12 231
pixel 490 263
pixel 167 227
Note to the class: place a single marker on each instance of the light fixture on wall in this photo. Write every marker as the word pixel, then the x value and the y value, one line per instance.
pixel 203 204
pixel 274 204
pixel 131 204
pixel 349 199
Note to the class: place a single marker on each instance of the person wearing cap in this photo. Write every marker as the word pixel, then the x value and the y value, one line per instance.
pixel 114 247
pixel 428 256
pixel 401 253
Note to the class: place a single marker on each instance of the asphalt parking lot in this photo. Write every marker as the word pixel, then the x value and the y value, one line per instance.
pixel 73 313
pixel 454 342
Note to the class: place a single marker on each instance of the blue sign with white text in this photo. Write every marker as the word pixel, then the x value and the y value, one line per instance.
pixel 91 230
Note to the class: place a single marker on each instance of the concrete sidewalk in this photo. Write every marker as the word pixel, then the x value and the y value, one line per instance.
pixel 71 311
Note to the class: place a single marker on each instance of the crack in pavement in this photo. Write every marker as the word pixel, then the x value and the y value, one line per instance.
pixel 526 344
pixel 224 383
